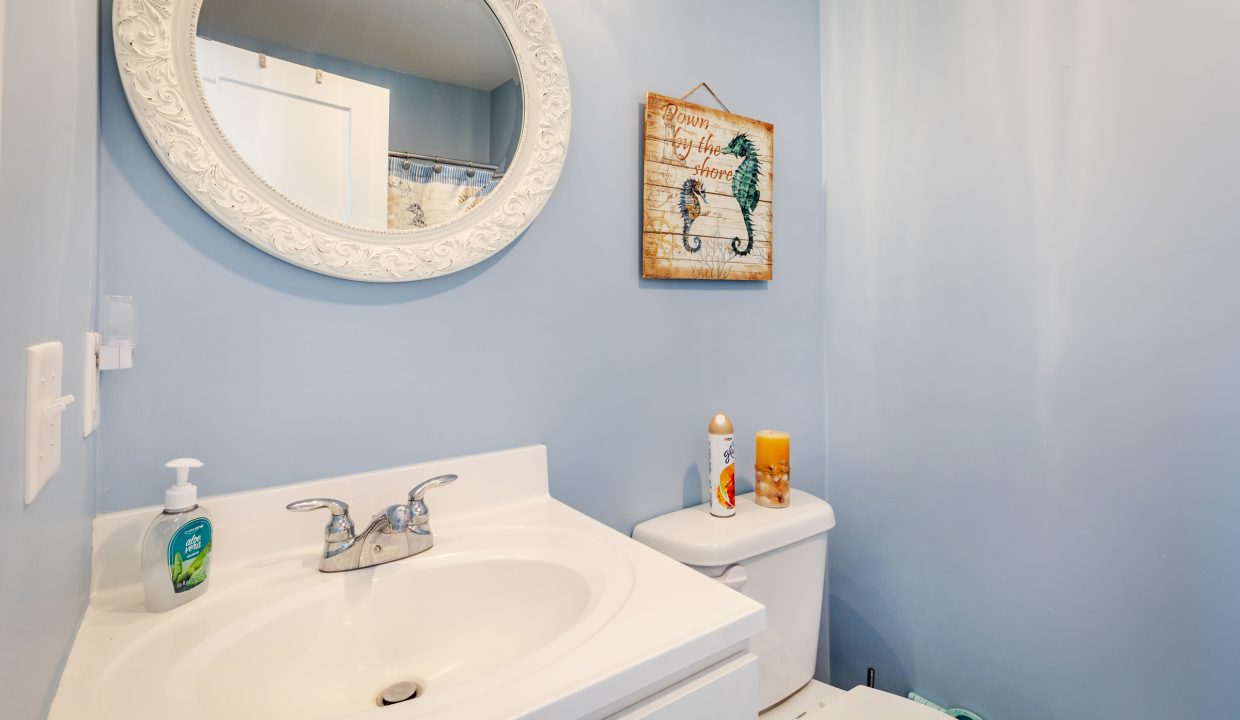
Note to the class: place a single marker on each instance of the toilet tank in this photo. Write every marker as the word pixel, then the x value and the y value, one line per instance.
pixel 777 556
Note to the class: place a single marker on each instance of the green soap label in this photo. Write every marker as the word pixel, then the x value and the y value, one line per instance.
pixel 189 554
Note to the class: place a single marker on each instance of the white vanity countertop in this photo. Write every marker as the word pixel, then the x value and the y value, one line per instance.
pixel 525 608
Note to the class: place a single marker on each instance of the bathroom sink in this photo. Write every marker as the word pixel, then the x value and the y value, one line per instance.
pixel 491 599
pixel 524 608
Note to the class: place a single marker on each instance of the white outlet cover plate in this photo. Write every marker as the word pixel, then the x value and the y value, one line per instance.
pixel 90 387
pixel 44 367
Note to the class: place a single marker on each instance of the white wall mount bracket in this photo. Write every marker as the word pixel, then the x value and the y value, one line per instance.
pixel 117 356
pixel 120 332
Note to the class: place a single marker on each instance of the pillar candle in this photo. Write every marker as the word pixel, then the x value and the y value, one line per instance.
pixel 770 469
pixel 772 450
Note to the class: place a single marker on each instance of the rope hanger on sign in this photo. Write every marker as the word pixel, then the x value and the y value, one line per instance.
pixel 712 94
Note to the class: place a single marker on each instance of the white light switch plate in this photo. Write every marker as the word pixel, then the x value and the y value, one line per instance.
pixel 44 407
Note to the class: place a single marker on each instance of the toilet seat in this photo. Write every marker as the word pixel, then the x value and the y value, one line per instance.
pixel 819 701
pixel 863 703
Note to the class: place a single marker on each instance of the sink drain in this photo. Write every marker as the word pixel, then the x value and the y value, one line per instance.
pixel 399 693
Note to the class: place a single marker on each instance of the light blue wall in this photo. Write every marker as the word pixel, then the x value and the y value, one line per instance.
pixel 1032 353
pixel 272 374
pixel 427 116
pixel 48 189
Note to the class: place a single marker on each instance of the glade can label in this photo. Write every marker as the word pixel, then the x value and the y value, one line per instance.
pixel 722 475
pixel 189 554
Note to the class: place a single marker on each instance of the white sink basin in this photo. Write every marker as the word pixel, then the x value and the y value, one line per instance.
pixel 488 600
pixel 524 608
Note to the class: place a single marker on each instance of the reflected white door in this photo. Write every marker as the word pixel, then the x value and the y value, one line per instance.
pixel 324 143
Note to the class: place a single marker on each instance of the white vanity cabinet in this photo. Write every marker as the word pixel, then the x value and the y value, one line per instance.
pixel 727 691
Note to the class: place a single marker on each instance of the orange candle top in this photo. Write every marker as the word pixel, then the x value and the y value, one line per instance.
pixel 772 450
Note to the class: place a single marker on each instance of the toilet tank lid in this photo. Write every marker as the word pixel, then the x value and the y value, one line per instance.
pixel 695 537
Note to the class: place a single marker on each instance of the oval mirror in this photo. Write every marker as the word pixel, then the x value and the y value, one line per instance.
pixel 383 140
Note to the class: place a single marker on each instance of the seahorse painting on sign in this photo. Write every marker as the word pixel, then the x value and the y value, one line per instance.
pixel 707 193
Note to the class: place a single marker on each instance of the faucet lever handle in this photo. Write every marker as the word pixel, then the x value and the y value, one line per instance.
pixel 339 528
pixel 337 507
pixel 419 490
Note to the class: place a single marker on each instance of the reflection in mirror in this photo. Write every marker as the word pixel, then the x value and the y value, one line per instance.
pixel 384 114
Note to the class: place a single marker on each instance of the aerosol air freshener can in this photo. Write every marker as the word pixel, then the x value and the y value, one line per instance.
pixel 722 466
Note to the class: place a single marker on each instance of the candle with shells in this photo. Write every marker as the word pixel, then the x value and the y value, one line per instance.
pixel 771 485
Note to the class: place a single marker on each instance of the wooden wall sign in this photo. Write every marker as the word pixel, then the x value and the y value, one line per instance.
pixel 707 193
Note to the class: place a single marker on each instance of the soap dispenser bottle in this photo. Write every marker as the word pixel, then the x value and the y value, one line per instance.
pixel 176 553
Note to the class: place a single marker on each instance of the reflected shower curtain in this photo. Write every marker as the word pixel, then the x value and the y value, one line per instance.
pixel 418 196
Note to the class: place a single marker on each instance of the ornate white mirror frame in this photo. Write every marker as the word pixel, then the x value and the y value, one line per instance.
pixel 155 53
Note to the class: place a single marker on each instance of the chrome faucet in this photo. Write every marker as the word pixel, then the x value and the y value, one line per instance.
pixel 394 534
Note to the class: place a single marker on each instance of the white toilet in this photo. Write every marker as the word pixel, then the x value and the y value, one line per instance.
pixel 779 558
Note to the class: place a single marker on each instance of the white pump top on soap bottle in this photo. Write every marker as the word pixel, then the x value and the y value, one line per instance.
pixel 177 548
pixel 183 495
